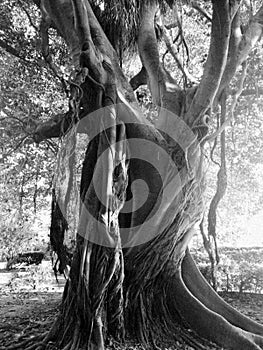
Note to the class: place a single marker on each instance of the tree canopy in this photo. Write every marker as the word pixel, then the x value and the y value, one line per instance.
pixel 132 271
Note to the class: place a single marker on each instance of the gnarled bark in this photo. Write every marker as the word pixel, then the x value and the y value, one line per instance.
pixel 141 280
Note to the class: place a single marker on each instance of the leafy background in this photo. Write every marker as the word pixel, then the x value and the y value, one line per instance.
pixel 31 93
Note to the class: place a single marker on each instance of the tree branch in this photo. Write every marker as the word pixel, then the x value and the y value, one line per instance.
pixel 57 126
pixel 200 10
pixel 82 23
pixel 232 107
pixel 171 25
pixel 28 16
pixel 139 79
pixel 8 48
pixel 101 42
pixel 171 49
pixel 251 35
pixel 232 58
pixel 248 92
pixel 149 53
pixel 59 14
pixel 241 45
pixel 44 27
pixel 215 64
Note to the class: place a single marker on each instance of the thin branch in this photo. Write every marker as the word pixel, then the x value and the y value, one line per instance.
pixel 23 122
pixel 232 107
pixel 52 146
pixel 172 50
pixel 248 92
pixel 28 16
pixel 241 45
pixel 171 25
pixel 181 32
pixel 8 48
pixel 12 51
pixel 44 27
pixel 200 10
pixel 16 146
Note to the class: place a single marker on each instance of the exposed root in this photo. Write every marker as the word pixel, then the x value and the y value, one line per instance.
pixel 207 323
pixel 201 289
pixel 39 345
pixel 25 344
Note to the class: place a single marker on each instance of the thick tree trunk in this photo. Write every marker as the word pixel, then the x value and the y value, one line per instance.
pixel 129 271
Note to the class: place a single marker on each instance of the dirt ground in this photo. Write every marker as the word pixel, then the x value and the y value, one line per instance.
pixel 28 313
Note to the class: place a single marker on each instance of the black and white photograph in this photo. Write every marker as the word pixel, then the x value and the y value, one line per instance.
pixel 131 162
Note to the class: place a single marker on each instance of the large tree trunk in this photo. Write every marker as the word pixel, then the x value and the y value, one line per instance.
pixel 129 271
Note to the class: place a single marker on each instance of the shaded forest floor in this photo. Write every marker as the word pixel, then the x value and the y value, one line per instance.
pixel 28 313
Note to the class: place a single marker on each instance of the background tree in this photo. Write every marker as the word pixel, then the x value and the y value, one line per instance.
pixel 28 93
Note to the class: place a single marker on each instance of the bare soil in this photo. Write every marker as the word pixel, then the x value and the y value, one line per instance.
pixel 26 313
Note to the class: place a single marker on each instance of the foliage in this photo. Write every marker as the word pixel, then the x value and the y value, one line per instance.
pixel 34 277
pixel 244 197
pixel 120 21
pixel 239 270
pixel 97 273
pixel 30 94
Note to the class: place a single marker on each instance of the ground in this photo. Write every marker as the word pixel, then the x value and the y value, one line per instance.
pixel 28 308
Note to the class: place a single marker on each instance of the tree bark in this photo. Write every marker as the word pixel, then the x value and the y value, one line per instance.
pixel 134 281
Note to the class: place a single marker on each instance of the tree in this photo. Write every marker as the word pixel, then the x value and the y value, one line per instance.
pixel 29 93
pixel 132 271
